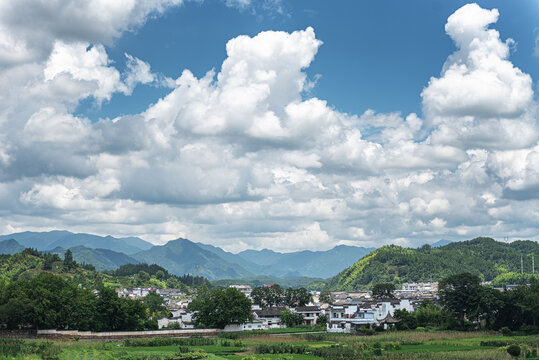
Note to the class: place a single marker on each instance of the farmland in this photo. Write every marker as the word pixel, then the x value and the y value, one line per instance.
pixel 315 346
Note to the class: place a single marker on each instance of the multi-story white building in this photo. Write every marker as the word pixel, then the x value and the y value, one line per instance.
pixel 349 317
pixel 310 313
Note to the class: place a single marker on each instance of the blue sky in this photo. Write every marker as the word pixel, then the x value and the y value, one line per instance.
pixel 376 54
pixel 271 123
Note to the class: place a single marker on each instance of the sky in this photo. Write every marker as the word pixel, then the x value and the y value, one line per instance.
pixel 277 124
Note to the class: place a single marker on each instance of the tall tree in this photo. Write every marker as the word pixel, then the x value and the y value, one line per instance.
pixel 220 307
pixel 69 263
pixel 297 297
pixel 156 305
pixel 460 294
pixel 383 290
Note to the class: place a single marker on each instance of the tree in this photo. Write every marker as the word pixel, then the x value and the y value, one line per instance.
pixel 290 318
pixel 173 283
pixel 428 314
pixel 407 320
pixel 160 275
pixel 268 295
pixel 325 297
pixel 115 313
pixel 322 319
pixel 460 294
pixel 383 290
pixel 69 263
pixel 488 305
pixel 143 277
pixel 156 305
pixel 297 297
pixel 220 307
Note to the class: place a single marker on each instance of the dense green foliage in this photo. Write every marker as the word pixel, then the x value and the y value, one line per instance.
pixel 274 296
pixel 156 305
pixel 467 305
pixel 290 318
pixel 30 263
pixel 382 290
pixel 133 269
pixel 220 307
pixel 48 301
pixel 483 257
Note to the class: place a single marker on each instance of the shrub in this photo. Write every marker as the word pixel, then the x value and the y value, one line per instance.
pixel 48 351
pixel 164 341
pixel 173 326
pixel 366 331
pixel 506 331
pixel 529 329
pixel 280 349
pixel 232 336
pixel 191 356
pixel 496 343
pixel 513 350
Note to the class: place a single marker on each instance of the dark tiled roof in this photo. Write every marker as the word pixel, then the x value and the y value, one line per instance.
pixel 307 308
pixel 271 311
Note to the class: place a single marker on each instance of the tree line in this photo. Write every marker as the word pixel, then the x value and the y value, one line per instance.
pixel 466 304
pixel 274 295
pixel 48 301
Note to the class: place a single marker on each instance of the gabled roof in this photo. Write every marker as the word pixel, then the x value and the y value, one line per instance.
pixel 388 320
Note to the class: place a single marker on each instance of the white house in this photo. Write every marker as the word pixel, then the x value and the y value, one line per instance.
pixel 181 316
pixel 270 317
pixel 310 313
pixel 348 318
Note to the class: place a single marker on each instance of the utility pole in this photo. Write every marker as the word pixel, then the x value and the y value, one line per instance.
pixel 521 265
pixel 533 265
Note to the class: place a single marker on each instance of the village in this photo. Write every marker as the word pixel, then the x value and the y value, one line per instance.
pixel 342 312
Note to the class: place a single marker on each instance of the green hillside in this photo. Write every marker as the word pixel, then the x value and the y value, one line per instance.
pixel 102 259
pixel 489 259
pixel 30 263
pixel 10 246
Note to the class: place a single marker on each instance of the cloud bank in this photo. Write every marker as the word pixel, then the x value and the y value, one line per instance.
pixel 244 156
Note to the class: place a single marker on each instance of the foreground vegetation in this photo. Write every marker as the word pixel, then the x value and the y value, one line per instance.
pixel 251 346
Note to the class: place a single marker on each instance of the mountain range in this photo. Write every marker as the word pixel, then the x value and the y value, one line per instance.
pixel 45 241
pixel 182 256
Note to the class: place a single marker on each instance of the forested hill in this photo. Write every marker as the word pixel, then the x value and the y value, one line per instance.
pixel 30 263
pixel 487 258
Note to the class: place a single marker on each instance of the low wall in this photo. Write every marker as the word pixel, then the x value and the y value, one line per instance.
pixel 115 335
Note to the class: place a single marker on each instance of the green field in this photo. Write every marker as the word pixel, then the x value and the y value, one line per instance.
pixel 315 346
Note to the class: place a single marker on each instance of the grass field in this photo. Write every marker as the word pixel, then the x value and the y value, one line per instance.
pixel 316 346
